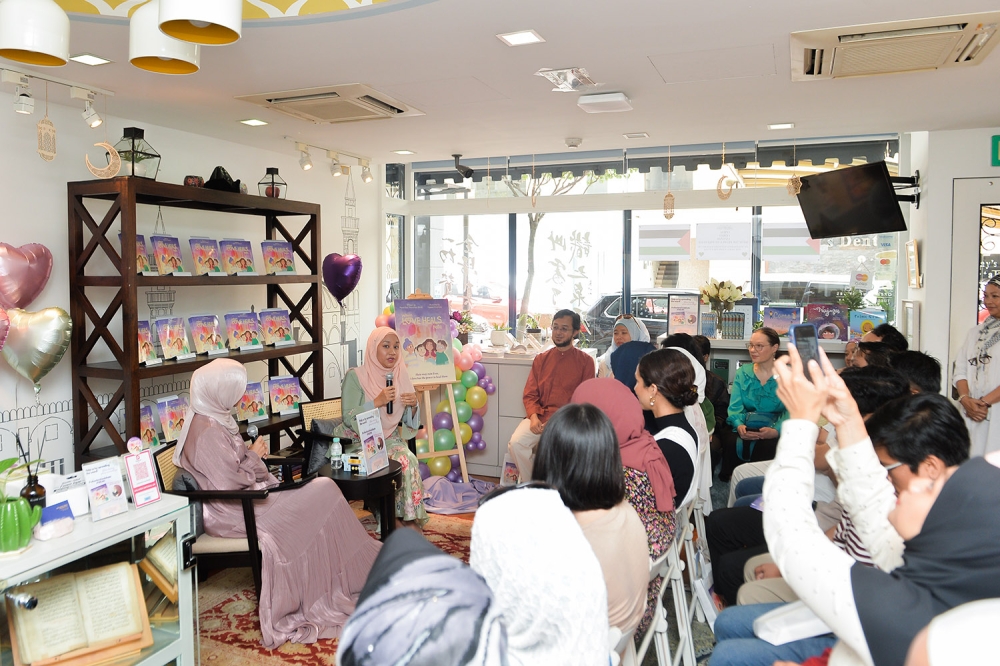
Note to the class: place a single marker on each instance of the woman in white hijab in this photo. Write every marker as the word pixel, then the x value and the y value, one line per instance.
pixel 627 329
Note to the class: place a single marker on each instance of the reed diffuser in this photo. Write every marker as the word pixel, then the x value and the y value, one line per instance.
pixel 32 491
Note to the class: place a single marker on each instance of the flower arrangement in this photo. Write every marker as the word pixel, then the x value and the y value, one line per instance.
pixel 464 320
pixel 721 296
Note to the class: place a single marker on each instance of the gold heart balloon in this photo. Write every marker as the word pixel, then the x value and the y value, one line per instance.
pixel 36 341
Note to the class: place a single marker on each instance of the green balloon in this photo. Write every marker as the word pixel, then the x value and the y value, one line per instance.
pixel 464 411
pixel 456 344
pixel 423 446
pixel 469 379
pixel 444 440
pixel 458 390
pixel 439 466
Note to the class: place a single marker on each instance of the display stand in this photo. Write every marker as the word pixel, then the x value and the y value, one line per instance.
pixel 424 397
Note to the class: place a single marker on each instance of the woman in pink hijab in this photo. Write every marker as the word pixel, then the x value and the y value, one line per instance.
pixel 315 554
pixel 365 389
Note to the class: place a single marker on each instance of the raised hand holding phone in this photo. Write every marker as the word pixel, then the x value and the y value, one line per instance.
pixel 804 399
pixel 806 342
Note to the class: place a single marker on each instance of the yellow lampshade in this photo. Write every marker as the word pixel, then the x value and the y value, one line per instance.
pixel 35 32
pixel 202 21
pixel 151 50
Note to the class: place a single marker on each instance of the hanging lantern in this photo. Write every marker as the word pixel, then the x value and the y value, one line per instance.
pixel 138 157
pixel 272 185
pixel 668 205
pixel 202 22
pixel 151 50
pixel 35 32
pixel 794 185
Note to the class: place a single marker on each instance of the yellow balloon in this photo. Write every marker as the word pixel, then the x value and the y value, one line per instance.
pixel 476 397
pixel 443 406
pixel 466 432
pixel 423 446
pixel 387 310
pixel 458 373
pixel 439 466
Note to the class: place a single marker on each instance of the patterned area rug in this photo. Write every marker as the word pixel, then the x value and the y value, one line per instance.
pixel 230 630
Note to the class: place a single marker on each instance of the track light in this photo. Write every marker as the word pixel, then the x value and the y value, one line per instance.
pixel 306 160
pixel 334 163
pixel 366 173
pixel 464 170
pixel 23 101
pixel 90 116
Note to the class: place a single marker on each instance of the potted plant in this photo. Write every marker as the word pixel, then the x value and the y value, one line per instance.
pixel 17 517
pixel 498 336
pixel 465 324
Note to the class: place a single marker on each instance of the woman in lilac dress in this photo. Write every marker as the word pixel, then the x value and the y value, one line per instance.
pixel 316 555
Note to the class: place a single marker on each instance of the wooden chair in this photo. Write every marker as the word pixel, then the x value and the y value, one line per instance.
pixel 319 409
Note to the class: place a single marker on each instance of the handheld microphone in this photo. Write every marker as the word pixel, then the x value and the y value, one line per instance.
pixel 388 383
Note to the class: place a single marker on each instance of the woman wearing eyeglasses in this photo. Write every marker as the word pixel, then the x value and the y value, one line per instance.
pixel 627 329
pixel 755 411
pixel 977 378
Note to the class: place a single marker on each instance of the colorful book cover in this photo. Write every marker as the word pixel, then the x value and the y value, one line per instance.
pixel 173 339
pixel 863 321
pixel 278 257
pixel 425 336
pixel 284 392
pixel 782 319
pixel 276 327
pixel 205 334
pixel 147 350
pixel 253 405
pixel 173 411
pixel 373 448
pixel 205 256
pixel 141 259
pixel 147 427
pixel 243 329
pixel 168 254
pixel 237 256
pixel 832 321
pixel 709 323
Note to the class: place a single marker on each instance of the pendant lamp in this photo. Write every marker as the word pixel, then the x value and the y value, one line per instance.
pixel 202 21
pixel 151 50
pixel 35 32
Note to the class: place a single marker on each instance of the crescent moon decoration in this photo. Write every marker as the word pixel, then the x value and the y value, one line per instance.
pixel 114 162
pixel 724 194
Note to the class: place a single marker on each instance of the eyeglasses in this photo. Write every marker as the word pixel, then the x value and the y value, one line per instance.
pixel 624 316
pixel 493 494
pixel 751 346
pixel 889 468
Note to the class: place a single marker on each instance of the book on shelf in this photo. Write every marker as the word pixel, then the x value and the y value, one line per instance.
pixel 105 488
pixel 863 321
pixel 253 405
pixel 206 336
pixel 709 323
pixel 276 326
pixel 205 256
pixel 243 330
pixel 141 258
pixel 147 427
pixel 832 321
pixel 168 255
pixel 237 256
pixel 173 410
pixel 160 564
pixel 81 618
pixel 278 257
pixel 147 350
pixel 284 393
pixel 732 324
pixel 781 319
pixel 173 338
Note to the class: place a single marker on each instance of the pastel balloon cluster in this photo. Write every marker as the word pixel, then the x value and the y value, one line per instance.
pixel 388 317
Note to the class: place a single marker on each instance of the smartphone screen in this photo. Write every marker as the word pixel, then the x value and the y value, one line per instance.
pixel 803 336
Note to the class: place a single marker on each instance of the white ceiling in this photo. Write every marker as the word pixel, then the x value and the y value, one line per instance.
pixel 481 98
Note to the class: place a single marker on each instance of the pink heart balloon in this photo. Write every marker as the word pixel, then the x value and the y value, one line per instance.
pixel 4 326
pixel 24 271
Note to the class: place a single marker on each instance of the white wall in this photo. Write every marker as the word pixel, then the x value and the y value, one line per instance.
pixel 35 210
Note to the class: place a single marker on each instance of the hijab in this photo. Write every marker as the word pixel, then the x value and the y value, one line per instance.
pixel 637 332
pixel 638 448
pixel 696 417
pixel 372 374
pixel 626 359
pixel 420 606
pixel 215 390
pixel 953 560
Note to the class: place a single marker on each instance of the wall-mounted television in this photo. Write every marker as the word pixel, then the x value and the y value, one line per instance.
pixel 851 201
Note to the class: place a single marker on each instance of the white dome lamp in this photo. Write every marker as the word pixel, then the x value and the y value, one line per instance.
pixel 151 50
pixel 212 22
pixel 35 32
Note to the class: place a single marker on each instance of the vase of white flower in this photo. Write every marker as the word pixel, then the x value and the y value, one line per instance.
pixel 721 297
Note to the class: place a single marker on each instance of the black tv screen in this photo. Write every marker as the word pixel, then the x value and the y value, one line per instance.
pixel 851 201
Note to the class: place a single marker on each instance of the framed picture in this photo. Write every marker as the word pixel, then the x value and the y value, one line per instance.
pixel 913 265
pixel 910 323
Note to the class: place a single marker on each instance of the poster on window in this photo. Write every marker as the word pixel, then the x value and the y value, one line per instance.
pixel 664 242
pixel 723 241
pixel 788 242
pixel 682 314
pixel 425 340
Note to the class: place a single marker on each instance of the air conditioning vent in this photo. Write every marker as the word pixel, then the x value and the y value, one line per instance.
pixel 898 46
pixel 333 104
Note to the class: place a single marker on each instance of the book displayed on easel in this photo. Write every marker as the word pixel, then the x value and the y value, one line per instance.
pixel 81 618
pixel 425 338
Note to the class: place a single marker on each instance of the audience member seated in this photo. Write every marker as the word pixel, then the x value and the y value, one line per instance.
pixel 627 329
pixel 887 335
pixel 949 525
pixel 315 555
pixel 716 391
pixel 686 343
pixel 649 486
pixel 421 607
pixel 923 371
pixel 626 360
pixel 755 412
pixel 363 390
pixel 554 376
pixel 850 351
pixel 546 581
pixel 665 386
pixel 873 353
pixel 579 457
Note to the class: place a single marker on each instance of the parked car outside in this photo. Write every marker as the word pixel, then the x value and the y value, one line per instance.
pixel 650 306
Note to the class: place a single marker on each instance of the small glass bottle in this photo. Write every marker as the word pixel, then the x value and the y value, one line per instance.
pixel 336 451
pixel 33 492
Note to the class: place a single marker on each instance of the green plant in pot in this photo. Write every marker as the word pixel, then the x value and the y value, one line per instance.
pixel 17 517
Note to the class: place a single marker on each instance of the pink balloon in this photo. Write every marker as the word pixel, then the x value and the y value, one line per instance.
pixel 4 326
pixel 24 272
pixel 411 330
pixel 476 353
pixel 382 320
pixel 464 361
pixel 482 410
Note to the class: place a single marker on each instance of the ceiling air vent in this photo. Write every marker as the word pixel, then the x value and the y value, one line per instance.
pixel 898 46
pixel 333 104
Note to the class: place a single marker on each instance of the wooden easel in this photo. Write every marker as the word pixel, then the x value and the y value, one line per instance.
pixel 424 397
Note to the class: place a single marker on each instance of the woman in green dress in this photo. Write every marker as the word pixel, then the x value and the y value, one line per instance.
pixel 365 389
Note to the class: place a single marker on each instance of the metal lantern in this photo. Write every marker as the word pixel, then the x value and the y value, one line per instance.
pixel 272 185
pixel 138 157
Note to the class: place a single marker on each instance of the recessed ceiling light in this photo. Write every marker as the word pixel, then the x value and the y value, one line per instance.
pixel 89 59
pixel 253 122
pixel 636 135
pixel 780 126
pixel 520 38
pixel 404 152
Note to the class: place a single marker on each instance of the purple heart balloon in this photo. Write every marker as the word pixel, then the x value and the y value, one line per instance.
pixel 341 274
